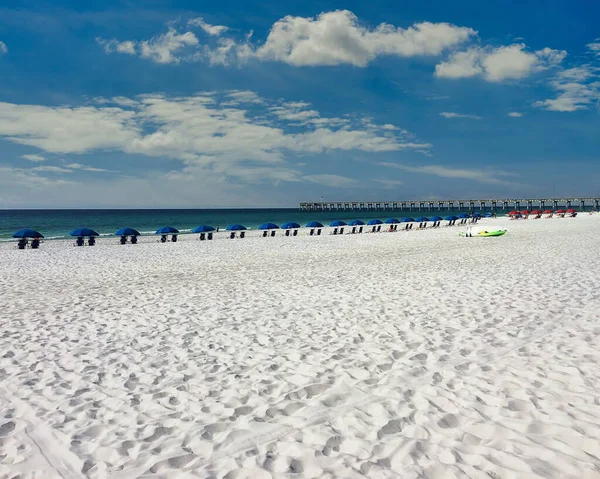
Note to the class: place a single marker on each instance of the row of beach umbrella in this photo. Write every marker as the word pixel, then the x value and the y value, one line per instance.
pixel 166 230
pixel 540 212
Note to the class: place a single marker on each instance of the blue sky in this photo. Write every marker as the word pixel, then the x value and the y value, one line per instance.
pixel 228 104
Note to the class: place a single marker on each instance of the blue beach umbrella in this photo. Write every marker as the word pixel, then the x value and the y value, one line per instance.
pixel 236 227
pixel 127 232
pixel 83 232
pixel 290 225
pixel 407 220
pixel 27 234
pixel 451 218
pixel 268 226
pixel 462 216
pixel 337 223
pixel 167 230
pixel 392 221
pixel 356 223
pixel 203 229
pixel 436 218
pixel 421 219
pixel 374 222
pixel 314 224
pixel 476 215
pixel 489 214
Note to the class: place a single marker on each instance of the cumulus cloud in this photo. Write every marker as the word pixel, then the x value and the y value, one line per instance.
pixel 331 38
pixel 448 114
pixel 594 47
pixel 481 176
pixel 577 89
pixel 33 157
pixel 3 48
pixel 251 139
pixel 515 114
pixel 498 64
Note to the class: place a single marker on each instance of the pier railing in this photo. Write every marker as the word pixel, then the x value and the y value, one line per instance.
pixel 449 205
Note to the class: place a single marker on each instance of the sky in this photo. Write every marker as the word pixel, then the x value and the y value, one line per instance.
pixel 180 103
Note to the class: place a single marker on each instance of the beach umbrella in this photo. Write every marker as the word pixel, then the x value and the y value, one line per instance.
pixel 525 212
pixel 83 232
pixel 127 232
pixel 203 229
pixel 391 221
pixel 463 216
pixel 236 227
pixel 167 230
pixel 374 222
pixel 337 223
pixel 547 212
pixel 290 225
pixel 268 226
pixel 436 218
pixel 421 219
pixel 536 212
pixel 477 215
pixel 571 210
pixel 407 220
pixel 451 218
pixel 560 211
pixel 314 224
pixel 356 223
pixel 27 234
pixel 513 213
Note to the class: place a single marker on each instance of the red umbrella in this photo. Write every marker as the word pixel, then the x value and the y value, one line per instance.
pixel 536 212
pixel 513 213
pixel 571 211
pixel 560 211
pixel 525 212
pixel 548 212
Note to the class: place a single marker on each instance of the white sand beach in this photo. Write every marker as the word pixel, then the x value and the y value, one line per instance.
pixel 395 355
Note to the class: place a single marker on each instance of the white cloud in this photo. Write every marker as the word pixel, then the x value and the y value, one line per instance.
pixel 3 48
pixel 502 63
pixel 336 38
pixel 51 169
pixel 160 49
pixel 594 47
pixel 33 157
pixel 214 30
pixel 387 183
pixel 481 176
pixel 515 114
pixel 578 88
pixel 332 38
pixel 209 135
pixel 448 114
pixel 333 181
pixel 79 166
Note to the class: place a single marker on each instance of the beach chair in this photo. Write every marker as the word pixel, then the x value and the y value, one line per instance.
pixel 91 241
pixel 265 233
pixel 287 232
pixel 273 233
pixel 373 229
pixel 335 231
pixel 341 231
pixel 202 236
pixel 163 238
pixel 379 228
pixel 295 233
pixel 22 244
pixel 319 232
pixel 174 238
pixel 360 230
pixel 134 240
pixel 79 241
pixel 123 240
pixel 353 230
pixel 311 232
pixel 243 234
pixel 210 236
pixel 232 235
pixel 35 243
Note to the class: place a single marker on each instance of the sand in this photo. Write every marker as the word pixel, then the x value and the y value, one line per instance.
pixel 411 354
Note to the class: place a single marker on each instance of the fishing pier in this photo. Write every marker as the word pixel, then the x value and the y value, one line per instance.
pixel 452 205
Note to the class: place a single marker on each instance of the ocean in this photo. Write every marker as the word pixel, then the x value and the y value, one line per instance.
pixel 56 224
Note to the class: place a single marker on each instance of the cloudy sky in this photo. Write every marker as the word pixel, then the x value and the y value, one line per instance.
pixel 182 103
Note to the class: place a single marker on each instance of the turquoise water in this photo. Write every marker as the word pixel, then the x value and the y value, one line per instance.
pixel 55 224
